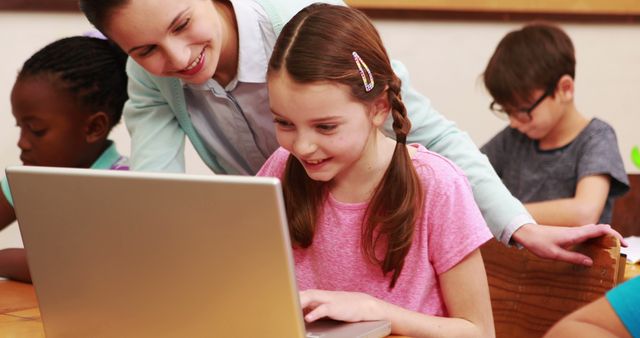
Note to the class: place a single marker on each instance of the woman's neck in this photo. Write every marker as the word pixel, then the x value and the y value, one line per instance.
pixel 229 54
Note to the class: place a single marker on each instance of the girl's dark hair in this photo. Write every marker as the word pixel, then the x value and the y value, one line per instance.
pixel 90 69
pixel 98 11
pixel 317 45
pixel 533 57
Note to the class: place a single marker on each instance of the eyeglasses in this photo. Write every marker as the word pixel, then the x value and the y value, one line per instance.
pixel 520 114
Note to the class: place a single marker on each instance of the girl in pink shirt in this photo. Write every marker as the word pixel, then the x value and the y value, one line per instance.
pixel 381 229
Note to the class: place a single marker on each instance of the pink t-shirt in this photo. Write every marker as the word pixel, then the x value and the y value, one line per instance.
pixel 450 228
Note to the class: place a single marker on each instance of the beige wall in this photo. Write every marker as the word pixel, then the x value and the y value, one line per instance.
pixel 445 59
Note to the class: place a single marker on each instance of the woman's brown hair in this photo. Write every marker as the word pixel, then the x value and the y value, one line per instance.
pixel 318 45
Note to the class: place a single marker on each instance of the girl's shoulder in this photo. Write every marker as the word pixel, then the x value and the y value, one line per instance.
pixel 275 164
pixel 425 160
pixel 438 175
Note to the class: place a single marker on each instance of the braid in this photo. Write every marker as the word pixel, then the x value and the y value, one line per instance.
pixel 91 69
pixel 401 123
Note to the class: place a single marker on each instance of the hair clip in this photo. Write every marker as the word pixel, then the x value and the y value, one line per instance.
pixel 368 84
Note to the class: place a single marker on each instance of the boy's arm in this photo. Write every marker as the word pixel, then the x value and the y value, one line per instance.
pixel 7 214
pixel 584 208
pixel 13 265
pixel 600 173
pixel 503 213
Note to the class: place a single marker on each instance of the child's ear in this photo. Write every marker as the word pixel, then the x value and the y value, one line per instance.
pixel 381 108
pixel 565 88
pixel 97 127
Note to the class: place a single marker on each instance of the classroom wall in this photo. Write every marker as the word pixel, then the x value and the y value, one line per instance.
pixel 445 59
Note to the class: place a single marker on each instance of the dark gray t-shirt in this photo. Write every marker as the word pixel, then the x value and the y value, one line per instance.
pixel 534 175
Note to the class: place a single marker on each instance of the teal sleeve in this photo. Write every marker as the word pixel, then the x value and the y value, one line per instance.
pixel 157 140
pixel 625 301
pixel 5 190
pixel 503 213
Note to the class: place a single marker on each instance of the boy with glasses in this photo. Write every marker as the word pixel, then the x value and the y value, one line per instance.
pixel 564 167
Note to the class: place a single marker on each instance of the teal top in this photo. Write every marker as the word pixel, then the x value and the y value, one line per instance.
pixel 158 120
pixel 109 159
pixel 625 301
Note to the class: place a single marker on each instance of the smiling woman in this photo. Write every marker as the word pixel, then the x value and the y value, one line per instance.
pixel 174 39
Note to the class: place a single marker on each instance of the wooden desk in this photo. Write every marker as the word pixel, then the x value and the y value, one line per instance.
pixel 19 313
pixel 20 316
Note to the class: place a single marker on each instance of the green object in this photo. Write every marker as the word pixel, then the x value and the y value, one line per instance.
pixel 635 156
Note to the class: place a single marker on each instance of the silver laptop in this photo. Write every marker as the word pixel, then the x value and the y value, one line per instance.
pixel 126 254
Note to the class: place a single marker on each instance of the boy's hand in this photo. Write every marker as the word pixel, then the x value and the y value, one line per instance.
pixel 339 305
pixel 552 241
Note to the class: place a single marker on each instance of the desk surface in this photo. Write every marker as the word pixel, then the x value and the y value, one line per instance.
pixel 20 316
pixel 19 313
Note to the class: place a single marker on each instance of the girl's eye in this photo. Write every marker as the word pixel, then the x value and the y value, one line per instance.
pixel 327 127
pixel 183 25
pixel 282 123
